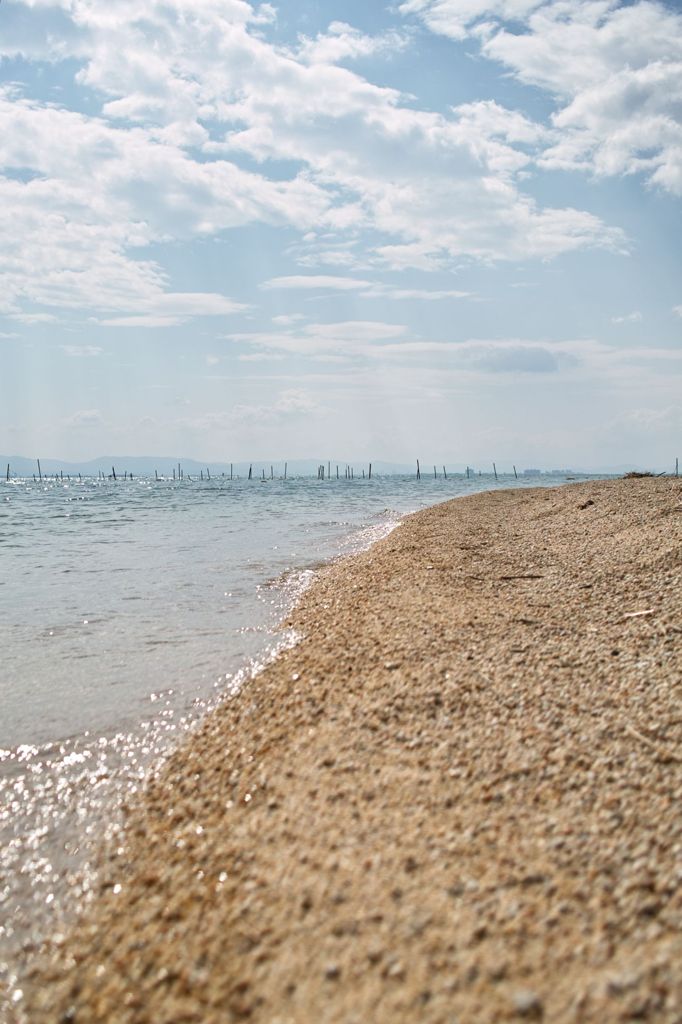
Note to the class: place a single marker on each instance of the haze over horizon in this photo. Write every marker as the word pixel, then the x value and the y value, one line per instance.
pixel 435 229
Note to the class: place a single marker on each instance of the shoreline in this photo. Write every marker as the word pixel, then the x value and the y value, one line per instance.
pixel 431 804
pixel 65 835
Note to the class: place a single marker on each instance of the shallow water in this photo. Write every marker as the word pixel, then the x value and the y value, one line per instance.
pixel 126 610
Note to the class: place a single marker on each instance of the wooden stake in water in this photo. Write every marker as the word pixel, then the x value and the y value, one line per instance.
pixel 435 475
pixel 370 471
pixel 677 467
pixel 208 473
pixel 444 473
pixel 285 470
pixel 230 471
pixel 40 475
pixel 495 470
pixel 8 470
pixel 337 472
pixel 419 476
pixel 250 472
pixel 113 472
pixel 516 475
pixel 156 474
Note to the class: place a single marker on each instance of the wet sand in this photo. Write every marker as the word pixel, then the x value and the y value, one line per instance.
pixel 457 799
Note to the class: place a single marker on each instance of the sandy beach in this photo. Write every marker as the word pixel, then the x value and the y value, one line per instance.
pixel 457 799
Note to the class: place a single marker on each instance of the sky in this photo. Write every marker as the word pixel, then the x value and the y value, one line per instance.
pixel 446 229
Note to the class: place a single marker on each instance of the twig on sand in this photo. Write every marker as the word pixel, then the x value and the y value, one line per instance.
pixel 526 576
pixel 665 755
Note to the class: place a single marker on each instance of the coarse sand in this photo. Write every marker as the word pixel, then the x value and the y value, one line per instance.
pixel 457 799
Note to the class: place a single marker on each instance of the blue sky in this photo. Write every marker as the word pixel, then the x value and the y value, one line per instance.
pixel 446 229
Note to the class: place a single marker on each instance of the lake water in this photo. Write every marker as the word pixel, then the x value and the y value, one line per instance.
pixel 127 609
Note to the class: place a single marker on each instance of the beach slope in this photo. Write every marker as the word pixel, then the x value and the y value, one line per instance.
pixel 457 799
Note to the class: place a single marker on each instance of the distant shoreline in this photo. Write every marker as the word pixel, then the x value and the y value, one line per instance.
pixel 453 797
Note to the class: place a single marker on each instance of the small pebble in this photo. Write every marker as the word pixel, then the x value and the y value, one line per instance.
pixel 528 1004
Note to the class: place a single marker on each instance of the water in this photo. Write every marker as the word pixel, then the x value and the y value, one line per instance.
pixel 126 610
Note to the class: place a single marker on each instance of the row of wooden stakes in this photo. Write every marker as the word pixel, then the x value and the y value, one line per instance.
pixel 323 473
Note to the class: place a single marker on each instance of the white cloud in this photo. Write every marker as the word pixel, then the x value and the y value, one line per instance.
pixel 197 304
pixel 634 424
pixel 68 229
pixel 627 124
pixel 290 404
pixel 83 419
pixel 144 320
pixel 32 318
pixel 260 357
pixel 286 319
pixel 492 122
pixel 356 330
pixel 322 341
pixel 627 318
pixel 82 351
pixel 368 289
pixel 294 402
pixel 343 42
pixel 614 68
pixel 361 342
pixel 377 340
pixel 170 309
pixel 457 18
pixel 426 294
pixel 186 88
pixel 572 45
pixel 497 356
pixel 313 281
